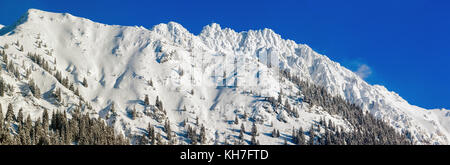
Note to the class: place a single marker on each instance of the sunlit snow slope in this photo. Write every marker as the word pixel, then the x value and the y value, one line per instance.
pixel 120 61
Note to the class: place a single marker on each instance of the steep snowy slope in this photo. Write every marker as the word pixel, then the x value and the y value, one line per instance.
pixel 217 75
pixel 302 60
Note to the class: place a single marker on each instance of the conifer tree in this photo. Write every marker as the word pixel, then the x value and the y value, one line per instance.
pixel 158 139
pixel 311 136
pixel 20 116
pixel 279 100
pixel 71 87
pixel 58 95
pixel 202 135
pixel 28 122
pixel 151 133
pixel 133 113
pixel 5 59
pixel 254 130
pixel 253 141
pixel 159 104
pixel 245 116
pixel 150 83
pixel 294 136
pixel 45 121
pixel 2 87
pixel 112 108
pixel 9 113
pixel 146 101
pixel 274 133
pixel 1 118
pixel 168 130
pixel 85 84
pixel 241 135
pixel 37 92
pixel 77 92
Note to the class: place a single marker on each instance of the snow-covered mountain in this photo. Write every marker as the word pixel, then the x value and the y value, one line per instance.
pixel 213 77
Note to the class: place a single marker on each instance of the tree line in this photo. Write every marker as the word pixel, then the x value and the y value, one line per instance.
pixel 365 128
pixel 81 129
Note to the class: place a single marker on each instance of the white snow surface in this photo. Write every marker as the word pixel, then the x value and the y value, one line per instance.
pixel 118 61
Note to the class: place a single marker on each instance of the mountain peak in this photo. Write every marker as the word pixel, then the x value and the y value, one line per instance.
pixel 171 27
pixel 214 26
pixel 36 15
pixel 33 14
pixel 33 11
pixel 174 26
pixel 211 28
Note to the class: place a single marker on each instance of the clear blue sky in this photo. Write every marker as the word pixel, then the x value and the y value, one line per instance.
pixel 404 43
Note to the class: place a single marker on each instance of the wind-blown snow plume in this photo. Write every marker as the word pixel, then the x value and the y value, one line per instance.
pixel 364 71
